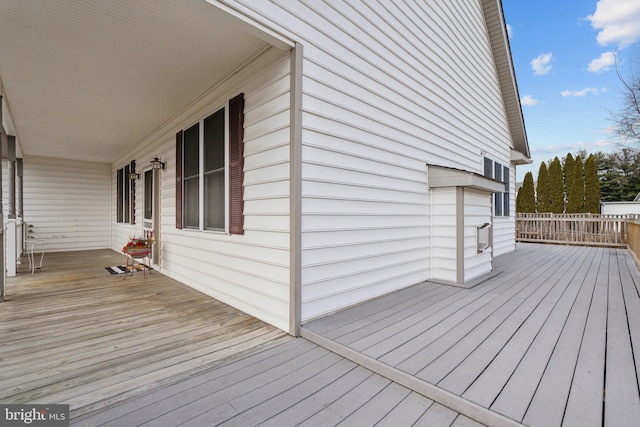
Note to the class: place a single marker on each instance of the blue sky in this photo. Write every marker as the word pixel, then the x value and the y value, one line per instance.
pixel 563 52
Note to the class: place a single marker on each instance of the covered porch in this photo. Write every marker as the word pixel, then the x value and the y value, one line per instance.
pixel 92 95
pixel 74 333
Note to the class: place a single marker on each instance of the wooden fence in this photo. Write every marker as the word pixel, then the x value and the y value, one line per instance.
pixel 633 238
pixel 577 229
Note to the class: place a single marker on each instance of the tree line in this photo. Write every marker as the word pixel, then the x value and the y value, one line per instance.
pixel 573 187
pixel 563 187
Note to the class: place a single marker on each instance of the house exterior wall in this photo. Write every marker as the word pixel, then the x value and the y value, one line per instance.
pixel 444 235
pixel 620 208
pixel 66 201
pixel 249 271
pixel 477 211
pixel 377 106
pixel 504 228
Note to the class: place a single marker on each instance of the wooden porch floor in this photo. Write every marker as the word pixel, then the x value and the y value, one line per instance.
pixel 553 340
pixel 75 334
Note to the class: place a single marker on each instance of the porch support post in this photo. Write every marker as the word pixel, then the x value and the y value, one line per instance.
pixel 20 207
pixel 460 235
pixel 295 191
pixel 155 197
pixel 11 169
pixel 19 189
pixel 11 237
pixel 3 136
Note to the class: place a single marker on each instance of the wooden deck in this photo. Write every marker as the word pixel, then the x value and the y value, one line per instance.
pixel 75 334
pixel 295 383
pixel 551 341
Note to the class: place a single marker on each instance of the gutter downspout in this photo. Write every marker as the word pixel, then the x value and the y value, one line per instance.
pixel 295 192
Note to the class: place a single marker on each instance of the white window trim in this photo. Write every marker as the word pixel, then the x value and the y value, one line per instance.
pixel 503 165
pixel 201 205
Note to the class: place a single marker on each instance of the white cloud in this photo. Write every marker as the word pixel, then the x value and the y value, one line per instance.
pixel 541 64
pixel 583 92
pixel 602 64
pixel 618 22
pixel 509 30
pixel 599 145
pixel 529 101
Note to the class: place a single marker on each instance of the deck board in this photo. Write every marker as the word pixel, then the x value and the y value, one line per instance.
pixel 393 314
pixel 630 276
pixel 73 333
pixel 437 415
pixel 549 401
pixel 495 324
pixel 499 355
pixel 407 412
pixel 418 350
pixel 378 407
pixel 537 343
pixel 519 389
pixel 294 383
pixel 621 389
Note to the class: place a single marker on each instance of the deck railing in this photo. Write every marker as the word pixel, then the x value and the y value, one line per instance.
pixel 578 229
pixel 633 238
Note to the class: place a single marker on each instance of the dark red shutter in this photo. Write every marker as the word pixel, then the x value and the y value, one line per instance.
pixel 120 194
pixel 236 164
pixel 179 179
pixel 132 184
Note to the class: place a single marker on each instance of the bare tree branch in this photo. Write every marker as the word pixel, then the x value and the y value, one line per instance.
pixel 627 118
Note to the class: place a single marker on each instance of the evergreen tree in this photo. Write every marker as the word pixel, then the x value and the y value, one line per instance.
pixel 575 189
pixel 556 187
pixel 542 189
pixel 527 195
pixel 591 186
pixel 567 170
pixel 567 174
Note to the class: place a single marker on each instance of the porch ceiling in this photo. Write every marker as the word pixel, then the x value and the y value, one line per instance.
pixel 89 80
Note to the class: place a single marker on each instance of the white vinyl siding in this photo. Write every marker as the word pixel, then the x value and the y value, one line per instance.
pixel 504 228
pixel 68 202
pixel 249 271
pixel 444 235
pixel 477 211
pixel 385 91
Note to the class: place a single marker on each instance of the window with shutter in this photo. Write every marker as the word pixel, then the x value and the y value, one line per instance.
pixel 179 144
pixel 201 171
pixel 125 194
pixel 236 164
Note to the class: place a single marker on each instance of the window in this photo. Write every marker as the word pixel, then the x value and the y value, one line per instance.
pixel 500 173
pixel 148 196
pixel 125 203
pixel 209 159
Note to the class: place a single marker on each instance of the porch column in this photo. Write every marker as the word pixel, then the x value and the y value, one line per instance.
pixel 3 137
pixel 11 237
pixel 11 170
pixel 18 190
pixel 19 208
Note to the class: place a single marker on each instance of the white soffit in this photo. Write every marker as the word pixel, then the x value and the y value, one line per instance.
pixel 90 79
pixel 440 176
pixel 518 158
